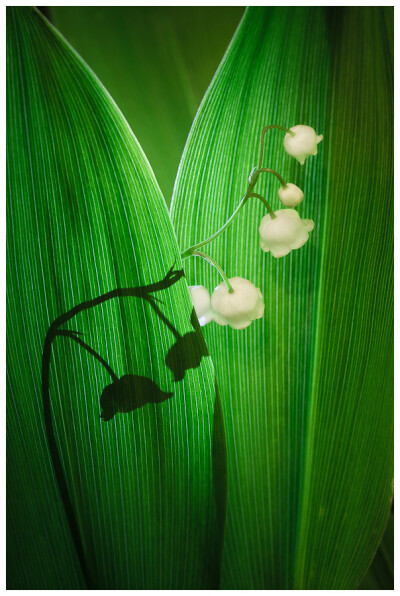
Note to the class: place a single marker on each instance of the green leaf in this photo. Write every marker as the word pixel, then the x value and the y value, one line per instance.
pixel 96 299
pixel 380 576
pixel 157 63
pixel 307 390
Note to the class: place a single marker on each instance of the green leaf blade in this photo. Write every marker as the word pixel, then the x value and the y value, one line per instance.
pixel 264 388
pixel 354 337
pixel 275 376
pixel 86 217
pixel 380 575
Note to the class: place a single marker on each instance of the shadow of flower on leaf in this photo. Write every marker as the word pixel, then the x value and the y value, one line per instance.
pixel 124 394
pixel 187 351
pixel 129 393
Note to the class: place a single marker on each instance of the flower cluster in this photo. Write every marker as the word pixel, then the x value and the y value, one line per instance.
pixel 237 301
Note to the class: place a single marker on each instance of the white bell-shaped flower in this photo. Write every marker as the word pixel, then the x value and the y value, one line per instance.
pixel 303 143
pixel 290 195
pixel 241 307
pixel 284 233
pixel 202 304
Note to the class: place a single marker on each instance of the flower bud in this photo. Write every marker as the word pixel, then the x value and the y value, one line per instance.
pixel 284 233
pixel 290 195
pixel 202 304
pixel 303 143
pixel 241 307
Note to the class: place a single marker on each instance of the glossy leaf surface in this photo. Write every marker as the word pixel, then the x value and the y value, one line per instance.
pixel 128 501
pixel 307 391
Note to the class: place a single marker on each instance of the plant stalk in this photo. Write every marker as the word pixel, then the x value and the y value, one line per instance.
pixel 214 263
pixel 254 177
pixel 265 129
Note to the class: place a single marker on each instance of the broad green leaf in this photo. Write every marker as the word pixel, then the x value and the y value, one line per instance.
pixel 380 576
pixel 136 501
pixel 157 63
pixel 307 390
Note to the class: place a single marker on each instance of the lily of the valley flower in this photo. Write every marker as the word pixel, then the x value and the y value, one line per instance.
pixel 202 304
pixel 284 233
pixel 303 143
pixel 236 301
pixel 290 195
pixel 240 308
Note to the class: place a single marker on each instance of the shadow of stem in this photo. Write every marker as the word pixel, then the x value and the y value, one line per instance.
pixel 129 392
pixel 139 292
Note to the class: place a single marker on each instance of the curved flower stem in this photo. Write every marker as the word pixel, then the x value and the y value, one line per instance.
pixel 210 260
pixel 268 206
pixel 281 180
pixel 265 129
pixel 189 251
pixel 254 177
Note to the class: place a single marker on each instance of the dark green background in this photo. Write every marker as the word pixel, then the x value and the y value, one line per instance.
pixel 159 95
